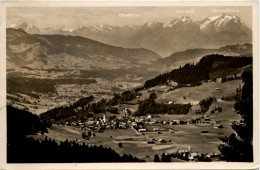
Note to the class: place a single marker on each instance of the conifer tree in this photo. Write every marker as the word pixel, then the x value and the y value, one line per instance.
pixel 238 147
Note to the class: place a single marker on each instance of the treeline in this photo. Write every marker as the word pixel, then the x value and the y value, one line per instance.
pixel 21 149
pixel 26 85
pixel 206 103
pixel 230 78
pixel 194 74
pixel 188 74
pixel 21 123
pixel 182 156
pixel 29 150
pixel 149 106
pixel 108 105
pixel 239 147
pixel 65 112
pixel 82 109
pixel 74 81
pixel 123 97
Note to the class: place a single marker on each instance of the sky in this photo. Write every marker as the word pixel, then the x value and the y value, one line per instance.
pixel 74 17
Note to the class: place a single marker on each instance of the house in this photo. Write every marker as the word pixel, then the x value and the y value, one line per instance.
pixel 134 124
pixel 100 130
pixel 122 125
pixel 152 122
pixel 155 129
pixel 218 126
pixel 176 122
pixel 150 142
pixel 217 88
pixel 142 130
pixel 125 110
pixel 162 129
pixel 207 118
pixel 141 120
pixel 162 141
pixel 149 117
pixel 192 156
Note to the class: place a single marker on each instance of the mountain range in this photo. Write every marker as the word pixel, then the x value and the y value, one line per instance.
pixel 38 51
pixel 163 38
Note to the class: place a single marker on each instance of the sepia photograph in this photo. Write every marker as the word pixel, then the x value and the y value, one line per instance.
pixel 131 83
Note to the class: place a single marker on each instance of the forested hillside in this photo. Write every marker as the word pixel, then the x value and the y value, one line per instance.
pixel 194 74
pixel 82 109
pixel 239 147
pixel 21 149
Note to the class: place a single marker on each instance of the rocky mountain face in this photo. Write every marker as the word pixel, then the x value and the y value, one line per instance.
pixel 164 38
pixel 38 51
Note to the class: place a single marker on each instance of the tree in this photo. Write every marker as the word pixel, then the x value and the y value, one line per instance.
pixel 165 158
pixel 120 145
pixel 238 147
pixel 152 96
pixel 89 133
pixel 83 135
pixel 156 158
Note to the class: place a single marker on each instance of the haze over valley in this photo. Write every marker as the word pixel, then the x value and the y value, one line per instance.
pixel 151 91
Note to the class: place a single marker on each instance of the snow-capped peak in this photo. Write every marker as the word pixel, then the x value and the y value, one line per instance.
pixel 207 21
pixel 165 25
pixel 149 24
pixel 12 26
pixel 68 29
pixel 219 21
pixel 101 28
pixel 185 19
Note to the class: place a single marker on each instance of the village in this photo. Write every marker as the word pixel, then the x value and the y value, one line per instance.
pixel 150 130
pixel 183 137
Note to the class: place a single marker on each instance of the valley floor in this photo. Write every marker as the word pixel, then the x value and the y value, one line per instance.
pixel 177 137
pixel 195 137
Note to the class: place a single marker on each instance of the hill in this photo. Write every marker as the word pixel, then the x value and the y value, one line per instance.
pixel 22 149
pixel 194 74
pixel 70 52
pixel 194 55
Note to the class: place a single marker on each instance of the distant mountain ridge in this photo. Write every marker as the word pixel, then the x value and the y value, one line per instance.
pixel 163 38
pixel 70 52
pixel 37 51
pixel 194 55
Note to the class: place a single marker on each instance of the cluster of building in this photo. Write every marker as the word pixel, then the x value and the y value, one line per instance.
pixel 195 156
pixel 99 124
pixel 140 124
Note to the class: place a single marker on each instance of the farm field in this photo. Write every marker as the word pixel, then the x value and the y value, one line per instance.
pixel 179 137
pixel 176 137
pixel 196 93
pixel 105 86
pixel 67 94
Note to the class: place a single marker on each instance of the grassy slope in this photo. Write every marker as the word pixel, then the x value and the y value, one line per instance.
pixel 183 136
